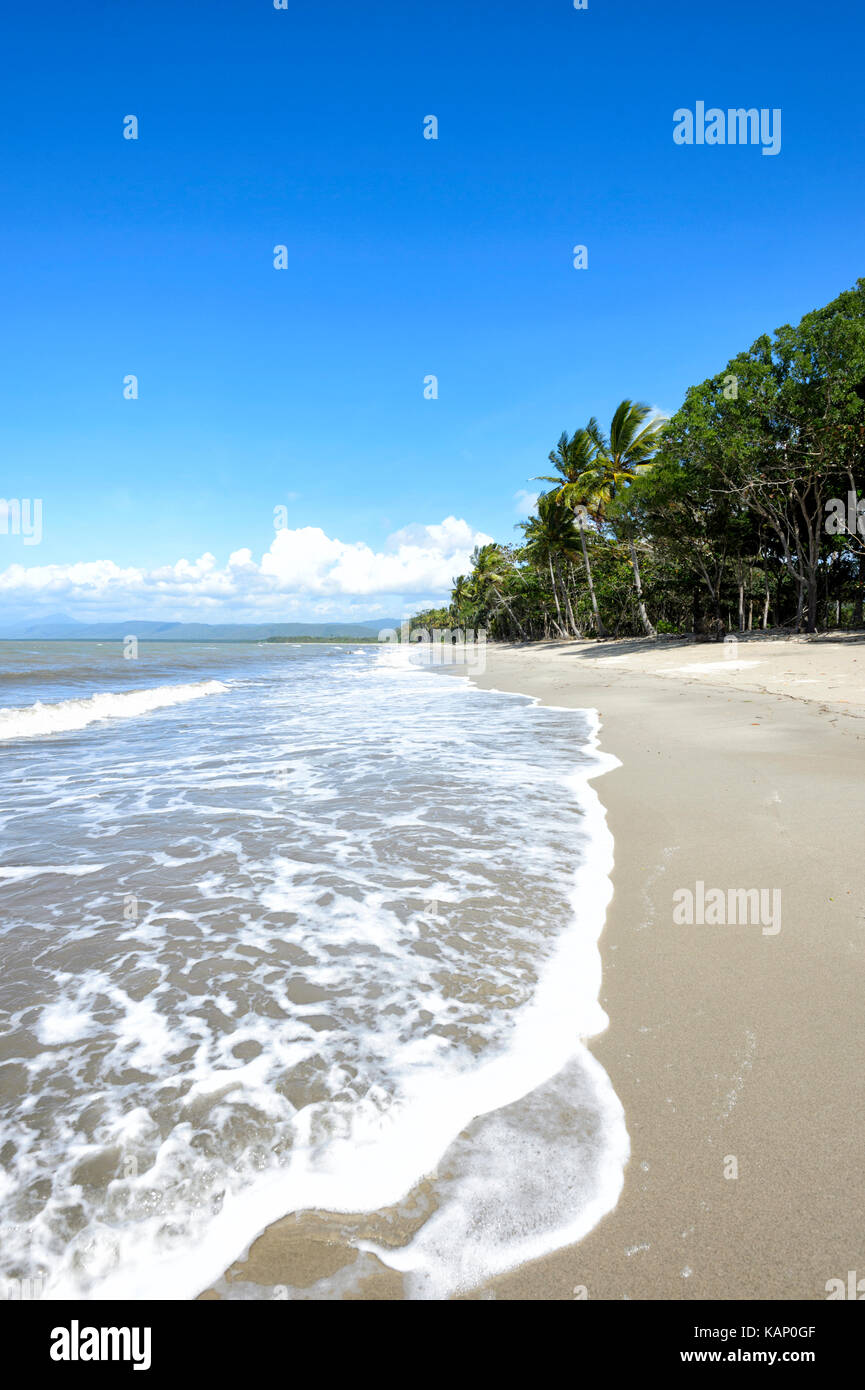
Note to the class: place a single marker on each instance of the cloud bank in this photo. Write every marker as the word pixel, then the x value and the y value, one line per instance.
pixel 303 571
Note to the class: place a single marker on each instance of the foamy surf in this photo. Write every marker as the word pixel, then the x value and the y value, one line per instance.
pixel 19 872
pixel 63 716
pixel 360 962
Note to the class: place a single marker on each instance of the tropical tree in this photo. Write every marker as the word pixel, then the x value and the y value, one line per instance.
pixel 463 601
pixel 574 458
pixel 620 458
pixel 551 540
pixel 491 576
pixel 752 497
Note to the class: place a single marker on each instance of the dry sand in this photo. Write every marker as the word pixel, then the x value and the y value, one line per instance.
pixel 724 1042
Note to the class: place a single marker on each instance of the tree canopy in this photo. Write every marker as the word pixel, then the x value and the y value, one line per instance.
pixel 744 510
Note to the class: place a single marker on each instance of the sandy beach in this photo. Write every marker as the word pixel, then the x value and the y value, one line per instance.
pixel 734 1049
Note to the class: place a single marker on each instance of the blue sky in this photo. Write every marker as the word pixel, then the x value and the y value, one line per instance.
pixel 407 257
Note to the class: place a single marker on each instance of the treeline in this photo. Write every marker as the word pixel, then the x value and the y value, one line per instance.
pixel 741 512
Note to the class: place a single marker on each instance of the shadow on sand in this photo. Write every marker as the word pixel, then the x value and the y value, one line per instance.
pixel 593 649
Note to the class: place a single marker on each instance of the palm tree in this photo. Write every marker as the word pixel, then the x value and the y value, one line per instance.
pixel 618 461
pixel 549 535
pixel 573 458
pixel 463 599
pixel 490 572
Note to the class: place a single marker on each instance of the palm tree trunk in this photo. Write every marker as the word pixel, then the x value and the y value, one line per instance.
pixel 635 566
pixel 509 610
pixel 599 626
pixel 556 595
pixel 571 619
pixel 856 619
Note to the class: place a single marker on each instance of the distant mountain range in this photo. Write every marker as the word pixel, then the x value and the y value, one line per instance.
pixel 59 627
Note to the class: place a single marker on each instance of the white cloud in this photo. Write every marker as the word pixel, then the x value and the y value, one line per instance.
pixel 304 569
pixel 525 502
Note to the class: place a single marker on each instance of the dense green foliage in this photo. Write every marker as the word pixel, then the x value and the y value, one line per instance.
pixel 737 513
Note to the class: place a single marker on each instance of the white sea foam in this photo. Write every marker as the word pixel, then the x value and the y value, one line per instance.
pixel 24 871
pixel 363 953
pixel 65 715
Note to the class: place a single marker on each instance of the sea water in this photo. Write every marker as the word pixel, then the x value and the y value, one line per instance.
pixel 289 928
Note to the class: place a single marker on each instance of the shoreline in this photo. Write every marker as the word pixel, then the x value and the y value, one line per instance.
pixel 724 1043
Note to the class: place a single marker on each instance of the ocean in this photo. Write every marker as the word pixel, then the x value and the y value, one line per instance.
pixel 292 928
